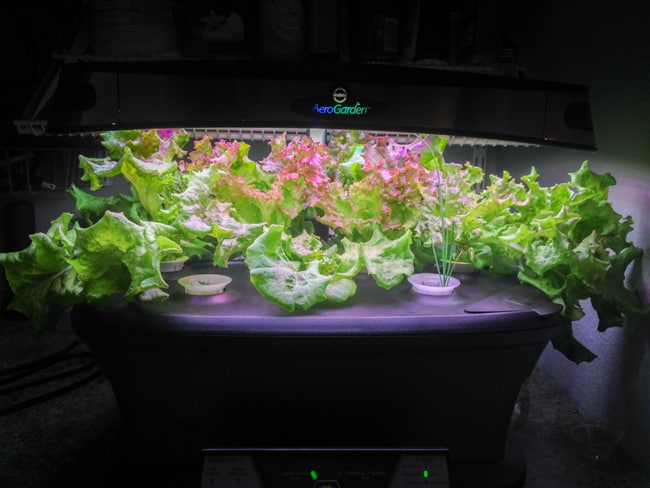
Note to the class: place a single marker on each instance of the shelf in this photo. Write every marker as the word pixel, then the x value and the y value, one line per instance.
pixel 32 169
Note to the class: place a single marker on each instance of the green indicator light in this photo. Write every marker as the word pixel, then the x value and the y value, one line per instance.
pixel 425 473
pixel 313 474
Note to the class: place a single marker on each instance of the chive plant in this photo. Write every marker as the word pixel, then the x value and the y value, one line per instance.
pixel 443 254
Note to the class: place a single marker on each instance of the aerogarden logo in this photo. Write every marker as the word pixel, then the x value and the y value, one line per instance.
pixel 340 96
pixel 340 109
pixel 337 107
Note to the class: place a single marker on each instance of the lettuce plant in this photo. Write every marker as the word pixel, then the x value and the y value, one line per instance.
pixel 386 205
pixel 566 240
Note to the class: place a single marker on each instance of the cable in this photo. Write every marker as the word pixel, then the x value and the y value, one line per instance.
pixel 50 395
pixel 20 371
pixel 21 374
pixel 40 362
pixel 46 379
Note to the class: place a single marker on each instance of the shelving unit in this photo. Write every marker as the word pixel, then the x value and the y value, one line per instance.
pixel 29 169
pixel 96 32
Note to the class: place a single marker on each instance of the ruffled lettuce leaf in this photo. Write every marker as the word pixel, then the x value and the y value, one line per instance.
pixel 233 239
pixel 205 217
pixel 228 157
pixel 288 278
pixel 376 182
pixel 300 173
pixel 42 281
pixel 162 145
pixel 388 261
pixel 298 272
pixel 157 144
pixel 114 251
pixel 565 240
pixel 616 304
pixel 91 208
pixel 69 265
pixel 152 181
pixel 94 169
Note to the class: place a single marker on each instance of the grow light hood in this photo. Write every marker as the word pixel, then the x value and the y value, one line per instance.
pixel 97 96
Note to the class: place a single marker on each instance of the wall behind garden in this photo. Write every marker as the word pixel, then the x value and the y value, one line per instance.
pixel 606 46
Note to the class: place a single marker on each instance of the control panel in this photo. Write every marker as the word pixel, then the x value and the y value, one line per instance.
pixel 324 468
